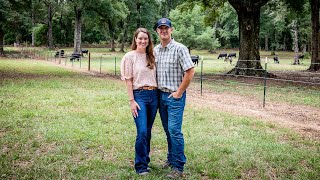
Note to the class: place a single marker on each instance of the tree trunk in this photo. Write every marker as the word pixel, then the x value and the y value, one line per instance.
pixel 249 25
pixel 276 41
pixel 111 30
pixel 77 31
pixel 33 26
pixel 266 42
pixel 50 36
pixel 295 42
pixel 139 15
pixel 304 49
pixel 315 58
pixel 1 42
pixel 61 28
pixel 284 43
pixel 123 38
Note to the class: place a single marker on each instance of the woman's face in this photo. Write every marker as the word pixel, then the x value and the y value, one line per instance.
pixel 142 40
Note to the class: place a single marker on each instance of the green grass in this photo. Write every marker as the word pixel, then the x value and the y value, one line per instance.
pixel 57 124
pixel 295 95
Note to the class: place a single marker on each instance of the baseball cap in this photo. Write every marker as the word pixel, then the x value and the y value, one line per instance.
pixel 162 22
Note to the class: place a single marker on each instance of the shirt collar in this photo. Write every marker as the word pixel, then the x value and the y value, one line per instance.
pixel 169 45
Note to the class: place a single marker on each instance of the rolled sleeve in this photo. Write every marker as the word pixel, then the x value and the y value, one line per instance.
pixel 126 68
pixel 185 59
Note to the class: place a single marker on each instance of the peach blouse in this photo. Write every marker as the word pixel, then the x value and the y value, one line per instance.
pixel 134 65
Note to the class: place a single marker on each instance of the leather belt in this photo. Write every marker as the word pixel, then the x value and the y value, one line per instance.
pixel 166 90
pixel 148 88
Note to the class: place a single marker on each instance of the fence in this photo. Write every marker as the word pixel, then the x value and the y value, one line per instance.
pixel 271 86
pixel 211 72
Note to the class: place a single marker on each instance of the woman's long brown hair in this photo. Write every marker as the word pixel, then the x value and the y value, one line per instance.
pixel 149 51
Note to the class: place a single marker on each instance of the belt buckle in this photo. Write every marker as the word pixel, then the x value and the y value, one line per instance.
pixel 150 88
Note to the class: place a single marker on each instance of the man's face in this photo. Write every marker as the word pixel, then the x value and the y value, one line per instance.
pixel 164 32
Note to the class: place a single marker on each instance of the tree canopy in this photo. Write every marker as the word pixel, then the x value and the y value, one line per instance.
pixel 249 25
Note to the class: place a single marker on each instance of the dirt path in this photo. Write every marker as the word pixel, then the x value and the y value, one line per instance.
pixel 303 119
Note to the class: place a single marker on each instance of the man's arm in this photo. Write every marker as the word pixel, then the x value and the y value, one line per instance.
pixel 187 78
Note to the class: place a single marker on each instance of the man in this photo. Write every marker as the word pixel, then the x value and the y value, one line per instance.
pixel 175 71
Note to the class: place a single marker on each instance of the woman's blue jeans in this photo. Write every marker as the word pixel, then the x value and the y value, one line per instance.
pixel 171 113
pixel 148 102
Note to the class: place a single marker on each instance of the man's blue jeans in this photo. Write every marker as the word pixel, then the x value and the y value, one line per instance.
pixel 148 102
pixel 171 113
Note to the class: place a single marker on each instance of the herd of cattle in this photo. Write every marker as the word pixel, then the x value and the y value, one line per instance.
pixel 228 57
pixel 194 58
pixel 73 56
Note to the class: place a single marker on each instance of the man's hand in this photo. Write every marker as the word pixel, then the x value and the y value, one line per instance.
pixel 175 95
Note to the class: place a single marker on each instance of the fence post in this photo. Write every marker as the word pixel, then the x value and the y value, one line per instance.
pixel 201 74
pixel 265 82
pixel 65 58
pixel 100 63
pixel 115 65
pixel 60 57
pixel 89 62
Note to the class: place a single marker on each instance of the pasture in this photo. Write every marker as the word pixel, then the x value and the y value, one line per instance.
pixel 56 123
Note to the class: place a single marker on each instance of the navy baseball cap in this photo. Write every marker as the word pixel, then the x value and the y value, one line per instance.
pixel 162 22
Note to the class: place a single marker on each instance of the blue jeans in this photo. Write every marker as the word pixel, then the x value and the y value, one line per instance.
pixel 148 102
pixel 171 113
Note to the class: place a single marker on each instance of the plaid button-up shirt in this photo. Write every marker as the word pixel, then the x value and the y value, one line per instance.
pixel 172 61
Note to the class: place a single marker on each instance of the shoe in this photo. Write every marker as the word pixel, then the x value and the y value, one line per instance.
pixel 175 174
pixel 166 165
pixel 144 173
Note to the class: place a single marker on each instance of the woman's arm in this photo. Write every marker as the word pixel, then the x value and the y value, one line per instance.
pixel 133 104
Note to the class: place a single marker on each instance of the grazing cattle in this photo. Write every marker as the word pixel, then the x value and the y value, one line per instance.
pixel 276 59
pixel 232 55
pixel 301 56
pixel 62 53
pixel 75 56
pixel 228 59
pixel 222 55
pixel 195 59
pixel 57 54
pixel 84 52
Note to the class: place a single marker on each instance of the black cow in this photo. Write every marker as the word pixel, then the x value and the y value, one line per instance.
pixel 276 59
pixel 222 55
pixel 57 54
pixel 75 56
pixel 84 52
pixel 195 59
pixel 232 55
pixel 301 56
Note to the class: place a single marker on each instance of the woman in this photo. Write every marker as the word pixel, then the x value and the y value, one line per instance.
pixel 138 70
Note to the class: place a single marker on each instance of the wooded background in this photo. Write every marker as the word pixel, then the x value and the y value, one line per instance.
pixel 247 25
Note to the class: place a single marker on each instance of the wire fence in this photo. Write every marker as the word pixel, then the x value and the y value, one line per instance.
pixel 209 75
pixel 267 86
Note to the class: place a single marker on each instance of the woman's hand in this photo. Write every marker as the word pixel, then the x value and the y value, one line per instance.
pixel 134 108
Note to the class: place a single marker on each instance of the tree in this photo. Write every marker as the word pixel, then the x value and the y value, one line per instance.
pixel 315 58
pixel 79 7
pixel 14 20
pixel 273 24
pixel 110 14
pixel 51 6
pixel 191 30
pixel 167 5
pixel 227 26
pixel 248 19
pixel 248 12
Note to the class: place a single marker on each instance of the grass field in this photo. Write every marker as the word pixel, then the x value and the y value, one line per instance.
pixel 59 124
